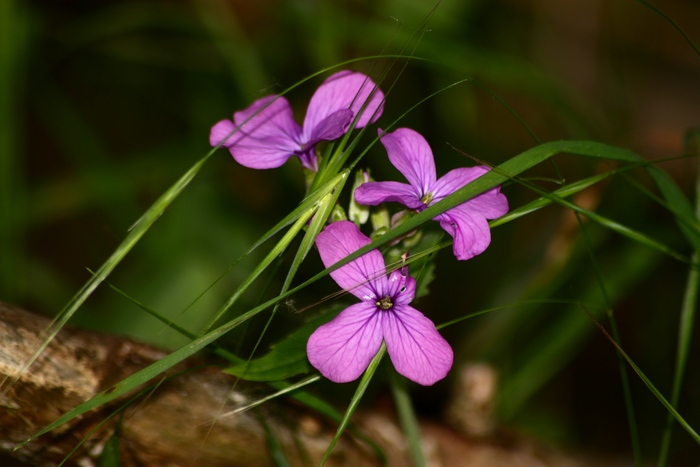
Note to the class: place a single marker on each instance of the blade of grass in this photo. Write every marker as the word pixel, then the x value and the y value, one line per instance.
pixel 681 421
pixel 685 327
pixel 629 405
pixel 361 388
pixel 306 209
pixel 549 352
pixel 407 418
pixel 135 233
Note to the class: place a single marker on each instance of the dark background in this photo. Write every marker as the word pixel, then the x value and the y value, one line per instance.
pixel 106 103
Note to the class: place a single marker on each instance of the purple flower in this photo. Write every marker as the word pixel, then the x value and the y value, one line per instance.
pixel 466 223
pixel 342 348
pixel 268 135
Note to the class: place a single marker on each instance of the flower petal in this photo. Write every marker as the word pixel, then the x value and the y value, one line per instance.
pixel 358 277
pixel 491 204
pixel 470 231
pixel 342 348
pixel 266 153
pixel 269 116
pixel 374 193
pixel 416 348
pixel 223 130
pixel 332 127
pixel 400 286
pixel 343 90
pixel 456 179
pixel 410 153
pixel 267 134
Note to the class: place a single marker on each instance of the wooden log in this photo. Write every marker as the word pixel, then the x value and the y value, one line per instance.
pixel 179 422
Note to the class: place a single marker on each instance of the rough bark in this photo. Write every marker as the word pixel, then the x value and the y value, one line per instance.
pixel 172 424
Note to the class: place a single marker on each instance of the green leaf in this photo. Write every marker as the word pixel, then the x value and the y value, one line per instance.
pixel 110 454
pixel 287 358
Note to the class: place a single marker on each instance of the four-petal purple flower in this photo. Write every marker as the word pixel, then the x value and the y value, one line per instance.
pixel 342 349
pixel 466 223
pixel 268 135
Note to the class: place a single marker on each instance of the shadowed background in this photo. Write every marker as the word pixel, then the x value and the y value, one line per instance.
pixel 105 104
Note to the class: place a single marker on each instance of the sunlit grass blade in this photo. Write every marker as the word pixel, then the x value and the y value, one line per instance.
pixel 503 172
pixel 281 392
pixel 306 210
pixel 561 193
pixel 135 233
pixel 407 418
pixel 143 376
pixel 322 212
pixel 355 402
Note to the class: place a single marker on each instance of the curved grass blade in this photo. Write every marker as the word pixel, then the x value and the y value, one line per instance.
pixel 671 410
pixel 307 209
pixel 672 23
pixel 143 376
pixel 137 231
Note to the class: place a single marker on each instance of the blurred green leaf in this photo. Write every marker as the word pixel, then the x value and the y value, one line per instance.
pixel 286 358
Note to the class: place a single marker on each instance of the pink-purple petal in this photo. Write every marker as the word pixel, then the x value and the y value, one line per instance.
pixel 342 348
pixel 374 193
pixel 399 286
pixel 267 153
pixel 410 153
pixel 269 116
pixel 415 347
pixel 491 204
pixel 343 90
pixel 469 229
pixel 456 179
pixel 337 241
pixel 223 131
pixel 332 127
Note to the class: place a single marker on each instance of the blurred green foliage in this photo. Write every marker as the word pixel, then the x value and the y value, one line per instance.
pixel 103 105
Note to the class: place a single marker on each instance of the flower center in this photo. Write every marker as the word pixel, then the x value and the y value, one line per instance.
pixel 385 303
pixel 427 198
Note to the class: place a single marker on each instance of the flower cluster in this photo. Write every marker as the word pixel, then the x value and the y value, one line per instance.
pixel 466 223
pixel 265 136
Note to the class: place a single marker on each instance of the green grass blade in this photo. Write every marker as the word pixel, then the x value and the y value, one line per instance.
pixel 497 176
pixel 557 345
pixel 674 24
pixel 685 328
pixel 143 376
pixel 407 418
pixel 624 379
pixel 361 388
pixel 681 421
pixel 307 209
pixel 135 233
pixel 281 392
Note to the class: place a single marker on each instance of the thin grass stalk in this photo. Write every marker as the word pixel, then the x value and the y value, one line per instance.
pixel 685 329
pixel 407 419
pixel 624 378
